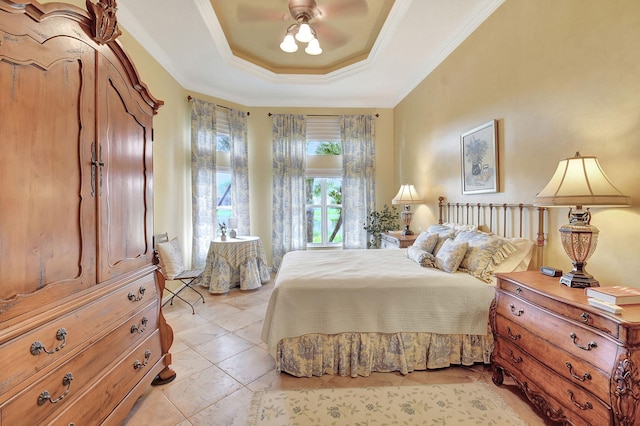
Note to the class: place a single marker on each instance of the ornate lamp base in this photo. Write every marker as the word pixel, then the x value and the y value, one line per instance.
pixel 579 239
pixel 406 216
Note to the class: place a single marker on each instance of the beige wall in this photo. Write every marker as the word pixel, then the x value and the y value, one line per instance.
pixel 560 77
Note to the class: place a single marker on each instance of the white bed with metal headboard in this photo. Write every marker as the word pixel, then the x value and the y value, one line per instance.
pixel 351 312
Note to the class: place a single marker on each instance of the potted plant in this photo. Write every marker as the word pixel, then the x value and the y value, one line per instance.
pixel 378 222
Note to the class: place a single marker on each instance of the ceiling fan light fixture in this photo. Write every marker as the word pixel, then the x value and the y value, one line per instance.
pixel 304 34
pixel 313 48
pixel 288 44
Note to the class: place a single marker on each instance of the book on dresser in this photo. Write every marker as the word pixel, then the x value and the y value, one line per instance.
pixel 618 295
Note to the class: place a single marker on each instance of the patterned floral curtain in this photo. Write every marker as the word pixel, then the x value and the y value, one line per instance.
pixel 358 183
pixel 203 178
pixel 239 170
pixel 289 203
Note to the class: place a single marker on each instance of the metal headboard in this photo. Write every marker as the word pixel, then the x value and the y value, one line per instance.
pixel 508 220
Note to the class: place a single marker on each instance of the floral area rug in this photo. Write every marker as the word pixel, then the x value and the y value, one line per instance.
pixel 445 404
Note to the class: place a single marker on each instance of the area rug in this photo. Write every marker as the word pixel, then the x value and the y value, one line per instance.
pixel 472 403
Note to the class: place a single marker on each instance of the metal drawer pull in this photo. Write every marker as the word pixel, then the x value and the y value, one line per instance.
pixel 518 290
pixel 587 405
pixel 589 346
pixel 133 297
pixel 513 336
pixel 514 312
pixel 143 325
pixel 137 364
pixel 46 396
pixel 585 376
pixel 37 346
pixel 585 317
pixel 516 360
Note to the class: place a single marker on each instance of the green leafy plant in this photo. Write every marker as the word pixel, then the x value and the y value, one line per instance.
pixel 379 221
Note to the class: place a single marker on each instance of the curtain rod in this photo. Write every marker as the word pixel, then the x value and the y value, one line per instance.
pixel 189 98
pixel 323 115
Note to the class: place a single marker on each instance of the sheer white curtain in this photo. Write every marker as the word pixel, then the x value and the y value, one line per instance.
pixel 358 182
pixel 289 203
pixel 239 170
pixel 203 178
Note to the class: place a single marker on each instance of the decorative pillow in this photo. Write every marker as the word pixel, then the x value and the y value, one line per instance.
pixel 450 255
pixel 518 260
pixel 421 257
pixel 443 232
pixel 170 257
pixel 426 241
pixel 461 226
pixel 484 253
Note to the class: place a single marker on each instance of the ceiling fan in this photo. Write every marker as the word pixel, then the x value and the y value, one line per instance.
pixel 309 12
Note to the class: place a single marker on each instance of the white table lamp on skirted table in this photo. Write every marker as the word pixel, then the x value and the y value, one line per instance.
pixel 580 182
pixel 407 195
pixel 232 225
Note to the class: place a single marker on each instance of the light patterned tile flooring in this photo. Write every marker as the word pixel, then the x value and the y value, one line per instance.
pixel 221 361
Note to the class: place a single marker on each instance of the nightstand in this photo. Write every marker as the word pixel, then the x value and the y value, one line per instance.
pixel 395 239
pixel 575 363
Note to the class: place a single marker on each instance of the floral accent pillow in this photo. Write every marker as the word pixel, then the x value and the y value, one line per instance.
pixel 421 257
pixel 426 241
pixel 450 255
pixel 485 252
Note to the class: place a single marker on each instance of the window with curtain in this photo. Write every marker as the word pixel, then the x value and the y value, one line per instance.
pixel 323 188
pixel 219 173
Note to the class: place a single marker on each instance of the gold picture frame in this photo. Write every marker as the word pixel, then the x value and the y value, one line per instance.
pixel 479 155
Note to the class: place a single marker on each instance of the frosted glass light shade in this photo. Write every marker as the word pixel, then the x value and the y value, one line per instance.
pixel 313 48
pixel 304 34
pixel 288 44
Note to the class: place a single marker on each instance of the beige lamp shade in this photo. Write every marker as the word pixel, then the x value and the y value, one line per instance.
pixel 580 181
pixel 407 195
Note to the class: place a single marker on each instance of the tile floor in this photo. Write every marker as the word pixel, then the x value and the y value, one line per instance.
pixel 220 361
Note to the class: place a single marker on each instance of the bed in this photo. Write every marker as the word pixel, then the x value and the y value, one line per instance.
pixel 353 312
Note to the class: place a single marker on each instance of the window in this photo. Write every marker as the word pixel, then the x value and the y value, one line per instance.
pixel 324 182
pixel 224 208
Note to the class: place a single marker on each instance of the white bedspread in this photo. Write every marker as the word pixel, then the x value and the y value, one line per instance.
pixel 382 291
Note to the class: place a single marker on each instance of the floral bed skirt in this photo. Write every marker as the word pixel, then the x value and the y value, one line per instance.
pixel 359 354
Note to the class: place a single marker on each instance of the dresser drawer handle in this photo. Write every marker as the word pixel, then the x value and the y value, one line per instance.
pixel 143 325
pixel 585 317
pixel 587 405
pixel 46 396
pixel 514 312
pixel 514 359
pixel 138 365
pixel 513 336
pixel 585 376
pixel 135 298
pixel 37 346
pixel 518 290
pixel 589 346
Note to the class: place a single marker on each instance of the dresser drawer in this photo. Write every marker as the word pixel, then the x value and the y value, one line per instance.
pixel 114 385
pixel 574 338
pixel 582 314
pixel 35 350
pixel 574 369
pixel 562 396
pixel 68 381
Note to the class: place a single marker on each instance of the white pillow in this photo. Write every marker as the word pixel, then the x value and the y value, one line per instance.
pixel 519 260
pixel 426 241
pixel 170 258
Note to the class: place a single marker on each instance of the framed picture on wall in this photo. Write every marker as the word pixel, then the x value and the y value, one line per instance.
pixel 479 154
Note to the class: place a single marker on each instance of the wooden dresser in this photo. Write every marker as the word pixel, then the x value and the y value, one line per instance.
pixel 575 363
pixel 82 333
pixel 395 239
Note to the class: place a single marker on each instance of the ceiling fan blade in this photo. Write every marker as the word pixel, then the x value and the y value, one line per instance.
pixel 346 8
pixel 247 13
pixel 330 37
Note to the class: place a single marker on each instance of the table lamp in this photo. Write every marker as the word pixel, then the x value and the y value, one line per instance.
pixel 407 195
pixel 580 181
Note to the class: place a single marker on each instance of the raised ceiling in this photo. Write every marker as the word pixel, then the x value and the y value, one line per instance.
pixel 375 51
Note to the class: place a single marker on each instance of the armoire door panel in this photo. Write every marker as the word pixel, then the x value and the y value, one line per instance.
pixel 44 139
pixel 124 209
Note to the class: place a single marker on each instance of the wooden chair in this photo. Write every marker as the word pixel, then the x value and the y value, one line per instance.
pixel 171 267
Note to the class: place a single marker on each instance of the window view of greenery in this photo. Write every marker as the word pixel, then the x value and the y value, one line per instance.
pixel 324 210
pixel 223 192
pixel 323 148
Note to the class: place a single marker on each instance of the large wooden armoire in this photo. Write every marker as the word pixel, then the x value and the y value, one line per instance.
pixel 82 334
